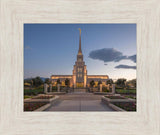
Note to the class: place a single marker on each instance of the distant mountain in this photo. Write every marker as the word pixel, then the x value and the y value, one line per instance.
pixel 43 78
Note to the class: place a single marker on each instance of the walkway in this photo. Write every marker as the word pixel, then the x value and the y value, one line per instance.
pixel 79 102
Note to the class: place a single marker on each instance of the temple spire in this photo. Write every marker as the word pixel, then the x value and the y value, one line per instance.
pixel 79 51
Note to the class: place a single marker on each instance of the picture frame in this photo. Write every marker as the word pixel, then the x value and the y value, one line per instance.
pixel 14 121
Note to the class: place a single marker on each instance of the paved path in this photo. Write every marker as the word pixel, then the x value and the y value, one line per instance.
pixel 79 102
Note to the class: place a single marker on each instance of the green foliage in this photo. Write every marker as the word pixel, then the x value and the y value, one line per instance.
pixel 28 81
pixel 99 82
pixel 33 92
pixel 47 80
pixel 37 81
pixel 130 96
pixel 104 89
pixel 54 88
pixel 128 106
pixel 121 82
pixel 58 81
pixel 133 82
pixel 110 81
pixel 26 96
pixel 67 82
pixel 92 83
pixel 40 87
pixel 129 91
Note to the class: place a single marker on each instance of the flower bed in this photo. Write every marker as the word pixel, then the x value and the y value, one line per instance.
pixel 128 106
pixel 130 96
pixel 33 106
pixel 43 97
pixel 114 97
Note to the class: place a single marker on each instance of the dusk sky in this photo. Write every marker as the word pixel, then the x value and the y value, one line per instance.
pixel 108 49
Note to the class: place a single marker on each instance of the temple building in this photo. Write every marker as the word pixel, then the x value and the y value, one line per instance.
pixel 79 78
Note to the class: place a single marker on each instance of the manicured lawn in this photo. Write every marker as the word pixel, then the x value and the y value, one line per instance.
pixel 33 91
pixel 25 96
pixel 114 97
pixel 123 91
pixel 129 106
pixel 32 106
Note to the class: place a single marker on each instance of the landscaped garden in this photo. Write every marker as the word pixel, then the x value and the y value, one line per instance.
pixel 130 96
pixel 43 97
pixel 114 97
pixel 126 91
pixel 36 102
pixel 128 106
pixel 33 91
pixel 33 106
pixel 26 96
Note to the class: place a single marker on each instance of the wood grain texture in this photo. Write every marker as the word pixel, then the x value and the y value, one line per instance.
pixel 14 13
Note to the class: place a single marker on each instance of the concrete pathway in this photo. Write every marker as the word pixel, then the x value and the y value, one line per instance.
pixel 79 102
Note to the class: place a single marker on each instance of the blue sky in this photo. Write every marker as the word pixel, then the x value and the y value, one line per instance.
pixel 108 49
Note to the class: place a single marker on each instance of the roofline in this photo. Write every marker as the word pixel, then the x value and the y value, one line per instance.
pixel 61 75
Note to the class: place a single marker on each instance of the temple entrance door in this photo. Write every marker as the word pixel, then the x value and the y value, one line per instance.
pixel 79 85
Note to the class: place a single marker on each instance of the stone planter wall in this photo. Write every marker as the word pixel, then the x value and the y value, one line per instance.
pixel 109 102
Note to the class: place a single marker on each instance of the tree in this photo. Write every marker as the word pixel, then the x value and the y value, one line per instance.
pixel 58 81
pixel 133 83
pixel 99 82
pixel 47 80
pixel 37 81
pixel 110 81
pixel 92 83
pixel 121 82
pixel 67 82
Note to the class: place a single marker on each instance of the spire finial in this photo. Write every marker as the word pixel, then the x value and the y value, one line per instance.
pixel 79 51
pixel 79 31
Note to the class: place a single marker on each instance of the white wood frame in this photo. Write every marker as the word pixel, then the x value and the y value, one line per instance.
pixel 14 13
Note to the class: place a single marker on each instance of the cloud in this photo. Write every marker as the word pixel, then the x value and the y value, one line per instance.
pixel 27 47
pixel 107 55
pixel 132 58
pixel 110 55
pixel 126 67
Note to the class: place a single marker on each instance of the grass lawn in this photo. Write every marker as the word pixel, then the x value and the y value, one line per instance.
pixel 26 96
pixel 33 91
pixel 123 91
pixel 114 97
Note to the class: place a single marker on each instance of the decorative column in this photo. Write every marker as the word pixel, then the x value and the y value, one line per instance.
pixel 113 88
pixel 50 87
pixel 58 85
pixel 45 88
pixel 100 87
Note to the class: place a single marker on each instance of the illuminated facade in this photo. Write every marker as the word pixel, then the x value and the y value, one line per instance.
pixel 79 78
